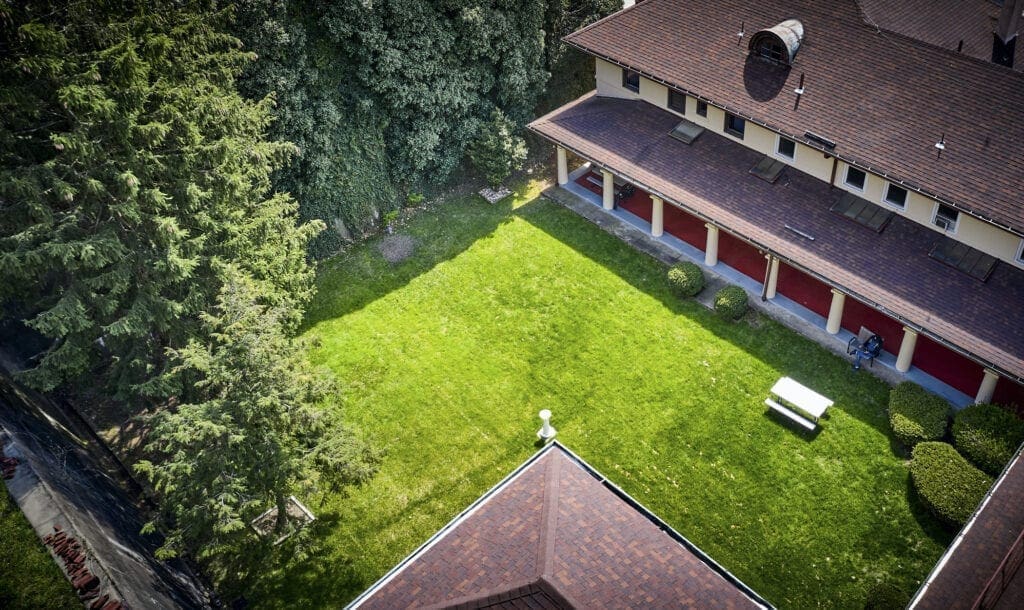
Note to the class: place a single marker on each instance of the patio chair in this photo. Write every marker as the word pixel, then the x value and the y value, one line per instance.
pixel 866 345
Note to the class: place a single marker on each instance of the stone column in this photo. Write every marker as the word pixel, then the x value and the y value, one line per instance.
pixel 773 278
pixel 657 216
pixel 906 355
pixel 988 386
pixel 609 190
pixel 711 249
pixel 563 166
pixel 835 312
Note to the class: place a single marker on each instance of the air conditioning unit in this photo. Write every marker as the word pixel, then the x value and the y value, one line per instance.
pixel 943 223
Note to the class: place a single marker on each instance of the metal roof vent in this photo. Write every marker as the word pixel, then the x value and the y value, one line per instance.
pixel 778 44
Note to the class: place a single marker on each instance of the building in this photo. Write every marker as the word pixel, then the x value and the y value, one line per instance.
pixel 861 158
pixel 557 534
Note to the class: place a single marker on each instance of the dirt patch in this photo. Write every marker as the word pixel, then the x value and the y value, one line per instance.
pixel 397 248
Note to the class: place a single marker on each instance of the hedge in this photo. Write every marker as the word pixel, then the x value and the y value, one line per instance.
pixel 947 483
pixel 987 435
pixel 686 279
pixel 731 302
pixel 917 415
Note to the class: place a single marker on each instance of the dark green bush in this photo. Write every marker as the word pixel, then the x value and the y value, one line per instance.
pixel 885 596
pixel 731 302
pixel 988 435
pixel 947 483
pixel 686 279
pixel 917 415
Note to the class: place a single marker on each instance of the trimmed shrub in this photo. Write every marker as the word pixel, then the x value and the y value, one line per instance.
pixel 731 302
pixel 917 415
pixel 686 279
pixel 885 596
pixel 947 483
pixel 987 435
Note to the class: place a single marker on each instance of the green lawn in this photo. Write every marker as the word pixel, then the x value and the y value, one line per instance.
pixel 29 578
pixel 507 309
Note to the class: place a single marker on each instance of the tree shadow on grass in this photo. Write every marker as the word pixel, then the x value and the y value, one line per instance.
pixel 353 279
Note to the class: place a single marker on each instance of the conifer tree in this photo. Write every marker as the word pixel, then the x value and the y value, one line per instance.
pixel 246 431
pixel 131 173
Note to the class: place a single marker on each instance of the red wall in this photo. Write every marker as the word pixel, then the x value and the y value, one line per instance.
pixel 947 365
pixel 805 290
pixel 857 314
pixel 686 227
pixel 1009 393
pixel 639 204
pixel 741 256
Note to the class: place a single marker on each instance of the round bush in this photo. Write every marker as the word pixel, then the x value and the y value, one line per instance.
pixel 731 302
pixel 987 435
pixel 686 279
pixel 885 596
pixel 947 483
pixel 917 415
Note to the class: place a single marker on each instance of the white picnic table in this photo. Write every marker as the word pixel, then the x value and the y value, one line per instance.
pixel 795 394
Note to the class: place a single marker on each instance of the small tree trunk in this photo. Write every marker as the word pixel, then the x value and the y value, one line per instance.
pixel 282 514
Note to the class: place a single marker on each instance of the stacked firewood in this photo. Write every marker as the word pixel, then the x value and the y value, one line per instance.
pixel 85 583
pixel 8 466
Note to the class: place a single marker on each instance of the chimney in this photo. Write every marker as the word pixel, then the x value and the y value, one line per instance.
pixel 1004 40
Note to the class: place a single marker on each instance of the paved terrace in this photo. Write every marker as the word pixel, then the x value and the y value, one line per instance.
pixel 710 179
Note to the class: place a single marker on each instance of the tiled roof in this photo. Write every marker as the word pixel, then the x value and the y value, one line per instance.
pixel 943 23
pixel 556 535
pixel 886 99
pixel 962 573
pixel 891 270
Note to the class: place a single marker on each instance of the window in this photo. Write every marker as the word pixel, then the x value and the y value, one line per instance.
pixel 772 49
pixel 631 80
pixel 946 218
pixel 855 178
pixel 677 101
pixel 863 212
pixel 734 125
pixel 785 148
pixel 895 196
pixel 1020 252
pixel 702 108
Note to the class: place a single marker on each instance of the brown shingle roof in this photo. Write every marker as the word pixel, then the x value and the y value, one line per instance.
pixel 943 23
pixel 556 535
pixel 886 99
pixel 962 573
pixel 711 179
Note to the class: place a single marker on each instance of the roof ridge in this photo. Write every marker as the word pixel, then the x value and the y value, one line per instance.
pixel 549 514
pixel 603 19
pixel 929 45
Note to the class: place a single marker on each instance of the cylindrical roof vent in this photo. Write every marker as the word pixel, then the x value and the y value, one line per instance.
pixel 778 44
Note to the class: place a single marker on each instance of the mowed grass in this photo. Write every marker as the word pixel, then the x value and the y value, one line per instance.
pixel 29 578
pixel 507 309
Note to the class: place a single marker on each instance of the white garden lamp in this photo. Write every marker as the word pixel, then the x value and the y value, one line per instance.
pixel 547 431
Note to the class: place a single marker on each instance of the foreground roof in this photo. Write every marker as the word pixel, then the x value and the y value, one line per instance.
pixel 965 569
pixel 890 270
pixel 556 534
pixel 884 98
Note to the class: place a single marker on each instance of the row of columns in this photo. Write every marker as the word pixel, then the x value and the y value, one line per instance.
pixel 835 312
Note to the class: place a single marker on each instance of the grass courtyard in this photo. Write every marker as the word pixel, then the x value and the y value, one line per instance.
pixel 507 309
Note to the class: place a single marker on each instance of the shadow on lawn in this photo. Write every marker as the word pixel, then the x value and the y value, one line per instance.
pixel 771 343
pixel 352 280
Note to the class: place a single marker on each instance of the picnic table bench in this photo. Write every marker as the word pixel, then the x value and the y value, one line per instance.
pixel 788 396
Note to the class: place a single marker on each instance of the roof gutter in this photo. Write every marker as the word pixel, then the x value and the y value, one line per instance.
pixel 789 261
pixel 802 139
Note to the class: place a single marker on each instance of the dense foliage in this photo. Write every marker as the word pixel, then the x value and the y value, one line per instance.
pixel 886 596
pixel 947 483
pixel 917 415
pixel 686 279
pixel 130 171
pixel 385 98
pixel 731 302
pixel 988 435
pixel 497 151
pixel 138 223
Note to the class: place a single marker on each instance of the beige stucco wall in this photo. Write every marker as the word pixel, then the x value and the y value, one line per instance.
pixel 971 231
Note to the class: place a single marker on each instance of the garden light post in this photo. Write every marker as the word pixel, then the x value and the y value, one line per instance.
pixel 547 431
